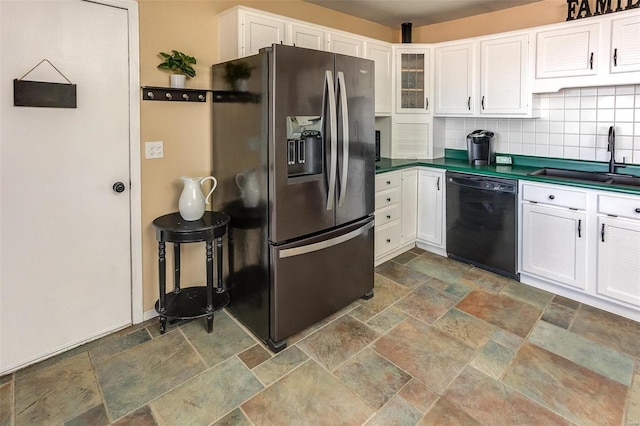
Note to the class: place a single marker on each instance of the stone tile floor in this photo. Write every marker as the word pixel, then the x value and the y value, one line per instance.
pixel 440 343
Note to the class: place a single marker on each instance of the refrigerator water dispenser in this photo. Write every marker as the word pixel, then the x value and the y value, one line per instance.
pixel 304 146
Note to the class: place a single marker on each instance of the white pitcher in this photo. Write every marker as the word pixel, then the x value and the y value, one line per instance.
pixel 249 189
pixel 192 200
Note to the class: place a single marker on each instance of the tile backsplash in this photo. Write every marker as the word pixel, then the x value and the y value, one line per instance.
pixel 572 124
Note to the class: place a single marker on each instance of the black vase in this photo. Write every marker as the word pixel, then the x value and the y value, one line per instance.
pixel 406 32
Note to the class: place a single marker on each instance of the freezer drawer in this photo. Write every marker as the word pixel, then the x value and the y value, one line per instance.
pixel 316 277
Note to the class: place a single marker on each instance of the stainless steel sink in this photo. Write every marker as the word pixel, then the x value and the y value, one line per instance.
pixel 600 177
pixel 626 180
pixel 573 174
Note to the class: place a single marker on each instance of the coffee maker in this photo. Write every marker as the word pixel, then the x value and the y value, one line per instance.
pixel 480 148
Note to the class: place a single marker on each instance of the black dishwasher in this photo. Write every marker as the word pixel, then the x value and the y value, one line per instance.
pixel 482 217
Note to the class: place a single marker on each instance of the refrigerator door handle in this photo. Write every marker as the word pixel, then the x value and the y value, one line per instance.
pixel 345 137
pixel 333 131
pixel 310 248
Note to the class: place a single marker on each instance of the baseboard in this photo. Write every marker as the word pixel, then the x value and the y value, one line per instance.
pixel 393 253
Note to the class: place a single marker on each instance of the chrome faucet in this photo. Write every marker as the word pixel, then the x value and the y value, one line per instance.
pixel 612 149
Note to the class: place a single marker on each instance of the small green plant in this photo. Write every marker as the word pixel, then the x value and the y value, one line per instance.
pixel 237 71
pixel 178 62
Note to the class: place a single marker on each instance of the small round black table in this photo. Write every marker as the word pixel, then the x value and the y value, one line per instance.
pixel 190 302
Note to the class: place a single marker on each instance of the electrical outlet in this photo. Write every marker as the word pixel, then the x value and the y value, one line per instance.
pixel 153 149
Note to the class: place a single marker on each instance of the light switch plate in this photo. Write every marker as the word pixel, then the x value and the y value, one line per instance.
pixel 153 149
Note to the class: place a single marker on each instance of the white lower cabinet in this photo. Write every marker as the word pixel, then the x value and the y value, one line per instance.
pixel 431 218
pixel 618 251
pixel 395 215
pixel 583 244
pixel 554 244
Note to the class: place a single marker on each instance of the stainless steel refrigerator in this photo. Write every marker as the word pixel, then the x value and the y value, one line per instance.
pixel 294 155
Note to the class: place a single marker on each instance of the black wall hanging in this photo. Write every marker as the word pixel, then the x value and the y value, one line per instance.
pixel 44 94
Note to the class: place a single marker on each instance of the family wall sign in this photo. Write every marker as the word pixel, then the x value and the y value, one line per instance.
pixel 577 9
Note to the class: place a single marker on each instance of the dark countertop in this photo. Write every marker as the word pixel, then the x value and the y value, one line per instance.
pixel 456 160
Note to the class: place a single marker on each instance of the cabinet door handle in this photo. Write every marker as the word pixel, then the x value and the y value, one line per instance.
pixel 638 210
pixel 551 197
pixel 469 103
pixel 438 183
pixel 388 199
pixel 388 240
pixel 482 102
pixel 591 61
pixel 615 57
pixel 579 228
pixel 426 103
pixel 388 182
pixel 388 216
pixel 602 233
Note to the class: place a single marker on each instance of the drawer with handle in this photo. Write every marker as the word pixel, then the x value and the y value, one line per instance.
pixel 386 181
pixel 387 198
pixel 387 238
pixel 555 195
pixel 616 205
pixel 387 215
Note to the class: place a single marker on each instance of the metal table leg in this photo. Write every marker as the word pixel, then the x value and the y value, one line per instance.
pixel 176 267
pixel 209 309
pixel 162 274
pixel 219 286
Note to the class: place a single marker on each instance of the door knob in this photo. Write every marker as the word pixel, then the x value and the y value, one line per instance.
pixel 118 187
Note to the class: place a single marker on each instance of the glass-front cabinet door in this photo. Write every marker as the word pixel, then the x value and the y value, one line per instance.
pixel 412 80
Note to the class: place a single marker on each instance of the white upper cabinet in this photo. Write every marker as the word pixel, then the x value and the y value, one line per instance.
pixel 454 79
pixel 603 52
pixel 380 53
pixel 308 37
pixel 625 45
pixel 412 80
pixel 243 32
pixel 501 65
pixel 567 52
pixel 504 75
pixel 345 44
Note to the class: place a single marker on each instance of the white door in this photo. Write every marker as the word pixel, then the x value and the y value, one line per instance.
pixel 618 254
pixel 412 81
pixel 504 75
pixel 567 52
pixel 554 244
pixel 65 233
pixel 431 206
pixel 409 218
pixel 308 37
pixel 345 45
pixel 625 55
pixel 454 82
pixel 381 55
pixel 259 32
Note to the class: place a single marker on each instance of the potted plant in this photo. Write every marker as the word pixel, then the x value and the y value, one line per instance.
pixel 237 74
pixel 180 65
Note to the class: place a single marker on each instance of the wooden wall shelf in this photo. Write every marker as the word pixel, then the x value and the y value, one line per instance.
pixel 229 96
pixel 150 93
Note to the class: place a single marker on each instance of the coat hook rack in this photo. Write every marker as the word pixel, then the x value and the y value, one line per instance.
pixel 151 93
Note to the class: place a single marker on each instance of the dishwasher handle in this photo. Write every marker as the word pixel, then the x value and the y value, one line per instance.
pixel 481 183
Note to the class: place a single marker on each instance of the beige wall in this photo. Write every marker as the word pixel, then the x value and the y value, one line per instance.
pixel 185 128
pixel 535 14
